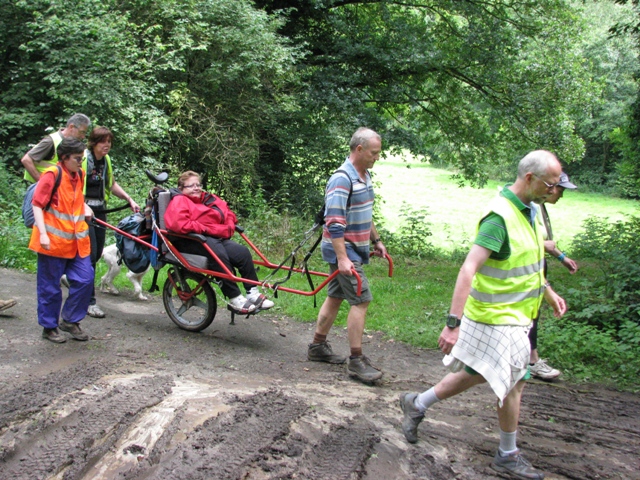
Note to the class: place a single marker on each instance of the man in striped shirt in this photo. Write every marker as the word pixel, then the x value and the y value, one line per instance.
pixel 348 233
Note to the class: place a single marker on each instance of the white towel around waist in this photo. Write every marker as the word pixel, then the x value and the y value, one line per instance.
pixel 500 353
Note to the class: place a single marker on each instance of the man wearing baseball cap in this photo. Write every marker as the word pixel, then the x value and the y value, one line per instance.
pixel 538 366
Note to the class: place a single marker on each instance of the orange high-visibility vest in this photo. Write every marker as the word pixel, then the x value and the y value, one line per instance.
pixel 64 221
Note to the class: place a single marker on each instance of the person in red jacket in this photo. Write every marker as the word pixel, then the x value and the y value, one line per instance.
pixel 192 210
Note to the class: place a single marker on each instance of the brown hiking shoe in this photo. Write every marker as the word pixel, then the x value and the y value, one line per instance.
pixel 4 304
pixel 74 329
pixel 361 368
pixel 322 352
pixel 53 335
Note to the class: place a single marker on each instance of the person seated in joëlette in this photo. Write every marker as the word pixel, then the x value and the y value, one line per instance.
pixel 192 210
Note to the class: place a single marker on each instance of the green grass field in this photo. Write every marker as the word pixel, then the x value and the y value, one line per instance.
pixel 454 211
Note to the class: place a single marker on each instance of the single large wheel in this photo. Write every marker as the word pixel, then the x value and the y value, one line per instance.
pixel 189 300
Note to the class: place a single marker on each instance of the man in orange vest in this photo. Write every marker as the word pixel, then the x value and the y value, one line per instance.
pixel 60 237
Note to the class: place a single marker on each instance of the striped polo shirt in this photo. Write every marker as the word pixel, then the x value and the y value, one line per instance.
pixel 352 222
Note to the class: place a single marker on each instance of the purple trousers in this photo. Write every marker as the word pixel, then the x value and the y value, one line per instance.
pixel 80 275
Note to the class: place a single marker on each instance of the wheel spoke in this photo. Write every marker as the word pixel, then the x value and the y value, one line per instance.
pixel 199 303
pixel 182 309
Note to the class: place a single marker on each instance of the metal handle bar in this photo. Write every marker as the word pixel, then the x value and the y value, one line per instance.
pixel 389 259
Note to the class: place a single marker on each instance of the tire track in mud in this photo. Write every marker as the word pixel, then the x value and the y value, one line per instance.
pixel 70 444
pixel 30 398
pixel 341 453
pixel 225 447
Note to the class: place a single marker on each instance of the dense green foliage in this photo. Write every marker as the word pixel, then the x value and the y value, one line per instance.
pixel 262 97
pixel 189 84
pixel 611 300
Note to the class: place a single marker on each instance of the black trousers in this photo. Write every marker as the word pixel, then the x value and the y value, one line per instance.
pixel 231 254
pixel 98 235
pixel 533 333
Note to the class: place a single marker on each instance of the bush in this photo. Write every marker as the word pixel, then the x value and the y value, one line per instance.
pixel 588 353
pixel 14 236
pixel 613 298
pixel 412 238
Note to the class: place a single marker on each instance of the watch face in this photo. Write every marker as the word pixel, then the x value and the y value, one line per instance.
pixel 452 321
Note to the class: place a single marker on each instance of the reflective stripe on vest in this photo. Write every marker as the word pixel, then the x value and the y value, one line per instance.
pixel 509 292
pixel 65 222
pixel 43 165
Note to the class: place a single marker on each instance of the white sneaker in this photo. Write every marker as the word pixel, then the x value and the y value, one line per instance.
pixel 540 369
pixel 258 299
pixel 95 311
pixel 241 305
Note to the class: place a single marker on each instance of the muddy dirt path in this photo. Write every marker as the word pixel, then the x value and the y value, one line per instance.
pixel 145 400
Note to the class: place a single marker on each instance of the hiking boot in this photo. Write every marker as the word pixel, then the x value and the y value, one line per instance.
pixel 516 465
pixel 542 370
pixel 4 304
pixel 412 416
pixel 361 368
pixel 259 300
pixel 240 305
pixel 322 352
pixel 95 311
pixel 53 335
pixel 74 329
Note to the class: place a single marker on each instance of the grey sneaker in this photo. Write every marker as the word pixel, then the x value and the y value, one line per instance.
pixel 95 311
pixel 53 335
pixel 543 370
pixel 74 329
pixel 412 416
pixel 361 368
pixel 516 465
pixel 322 352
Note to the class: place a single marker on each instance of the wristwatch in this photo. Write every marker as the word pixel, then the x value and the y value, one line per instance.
pixel 453 321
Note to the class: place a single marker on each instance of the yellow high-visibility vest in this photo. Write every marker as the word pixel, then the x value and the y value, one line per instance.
pixel 43 165
pixel 509 292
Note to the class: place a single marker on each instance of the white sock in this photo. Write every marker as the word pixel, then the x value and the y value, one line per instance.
pixel 426 399
pixel 507 443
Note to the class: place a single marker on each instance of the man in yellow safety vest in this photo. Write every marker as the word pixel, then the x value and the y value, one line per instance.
pixel 498 292
pixel 43 155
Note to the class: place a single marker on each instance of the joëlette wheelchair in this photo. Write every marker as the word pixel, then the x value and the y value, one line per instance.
pixel 188 296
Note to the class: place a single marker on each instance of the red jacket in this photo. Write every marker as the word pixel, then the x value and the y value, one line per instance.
pixel 208 215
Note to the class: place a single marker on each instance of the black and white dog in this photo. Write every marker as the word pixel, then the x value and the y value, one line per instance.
pixel 110 256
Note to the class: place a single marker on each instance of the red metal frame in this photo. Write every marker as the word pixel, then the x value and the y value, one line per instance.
pixel 226 274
